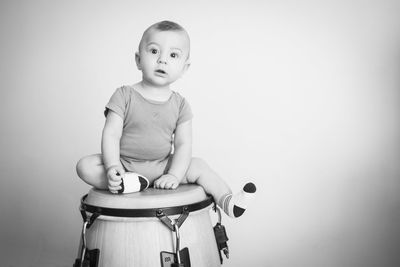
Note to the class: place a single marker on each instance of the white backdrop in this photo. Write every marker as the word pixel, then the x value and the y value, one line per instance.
pixel 301 97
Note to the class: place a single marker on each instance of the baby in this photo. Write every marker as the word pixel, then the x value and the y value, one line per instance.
pixel 147 136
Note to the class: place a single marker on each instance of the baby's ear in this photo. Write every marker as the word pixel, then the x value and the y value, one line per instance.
pixel 187 65
pixel 137 59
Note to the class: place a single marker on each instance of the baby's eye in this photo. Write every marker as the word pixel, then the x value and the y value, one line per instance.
pixel 174 55
pixel 154 51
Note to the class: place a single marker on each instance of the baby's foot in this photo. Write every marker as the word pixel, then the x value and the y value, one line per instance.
pixel 235 205
pixel 133 182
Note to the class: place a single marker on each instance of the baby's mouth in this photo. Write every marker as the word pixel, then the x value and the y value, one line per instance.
pixel 161 71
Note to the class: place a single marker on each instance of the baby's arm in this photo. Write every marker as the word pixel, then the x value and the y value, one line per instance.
pixel 110 150
pixel 181 159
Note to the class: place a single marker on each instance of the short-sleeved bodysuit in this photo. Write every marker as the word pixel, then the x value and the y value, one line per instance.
pixel 148 128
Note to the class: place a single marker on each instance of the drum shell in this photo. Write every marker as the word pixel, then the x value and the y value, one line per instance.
pixel 138 241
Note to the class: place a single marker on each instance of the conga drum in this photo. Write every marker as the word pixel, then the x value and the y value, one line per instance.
pixel 139 229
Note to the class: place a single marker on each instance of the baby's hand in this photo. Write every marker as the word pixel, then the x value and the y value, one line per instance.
pixel 114 175
pixel 167 181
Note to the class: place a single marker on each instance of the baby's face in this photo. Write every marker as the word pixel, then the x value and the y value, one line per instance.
pixel 163 56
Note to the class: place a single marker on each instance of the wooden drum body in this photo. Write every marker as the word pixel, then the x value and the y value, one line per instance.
pixel 138 241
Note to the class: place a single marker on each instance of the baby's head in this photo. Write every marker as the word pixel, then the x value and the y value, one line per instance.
pixel 163 54
pixel 167 27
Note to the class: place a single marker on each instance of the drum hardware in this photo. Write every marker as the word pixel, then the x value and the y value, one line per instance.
pixel 87 257
pixel 168 222
pixel 180 258
pixel 221 236
pixel 179 263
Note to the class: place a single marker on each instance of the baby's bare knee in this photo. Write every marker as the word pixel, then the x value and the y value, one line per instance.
pixel 81 167
pixel 91 170
pixel 199 164
pixel 198 167
pixel 85 166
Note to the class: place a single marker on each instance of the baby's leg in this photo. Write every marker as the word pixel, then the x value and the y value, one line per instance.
pixel 91 170
pixel 233 205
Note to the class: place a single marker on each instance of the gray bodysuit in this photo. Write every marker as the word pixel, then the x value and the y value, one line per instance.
pixel 148 128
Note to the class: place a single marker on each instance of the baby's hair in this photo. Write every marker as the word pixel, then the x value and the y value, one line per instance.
pixel 164 25
pixel 167 25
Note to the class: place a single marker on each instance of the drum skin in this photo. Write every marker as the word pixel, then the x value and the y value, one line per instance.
pixel 138 241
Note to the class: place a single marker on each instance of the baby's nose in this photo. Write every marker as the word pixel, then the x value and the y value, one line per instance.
pixel 162 59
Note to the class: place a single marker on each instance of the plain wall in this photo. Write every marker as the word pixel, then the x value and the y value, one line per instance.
pixel 300 97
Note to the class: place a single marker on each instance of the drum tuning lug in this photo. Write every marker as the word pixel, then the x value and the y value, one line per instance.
pixel 159 212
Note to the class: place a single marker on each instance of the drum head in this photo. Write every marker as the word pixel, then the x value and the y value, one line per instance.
pixel 148 199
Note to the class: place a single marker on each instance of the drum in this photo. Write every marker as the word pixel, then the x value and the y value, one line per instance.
pixel 132 230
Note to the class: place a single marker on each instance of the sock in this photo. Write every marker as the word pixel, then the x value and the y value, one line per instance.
pixel 235 205
pixel 133 182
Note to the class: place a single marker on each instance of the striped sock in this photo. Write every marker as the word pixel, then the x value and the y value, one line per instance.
pixel 133 182
pixel 235 205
